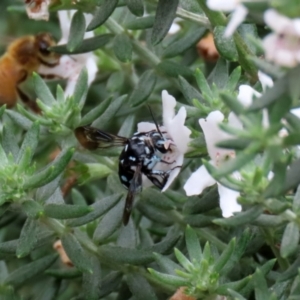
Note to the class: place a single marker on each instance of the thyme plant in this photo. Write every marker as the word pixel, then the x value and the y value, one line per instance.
pixel 228 225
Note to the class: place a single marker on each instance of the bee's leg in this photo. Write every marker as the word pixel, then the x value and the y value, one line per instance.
pixel 152 175
pixel 166 162
pixel 30 103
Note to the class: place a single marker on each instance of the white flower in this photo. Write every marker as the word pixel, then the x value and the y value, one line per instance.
pixel 201 179
pixel 238 16
pixel 175 27
pixel 173 129
pixel 70 67
pixel 37 9
pixel 283 45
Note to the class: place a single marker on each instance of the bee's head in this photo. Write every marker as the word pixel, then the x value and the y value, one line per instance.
pixel 43 42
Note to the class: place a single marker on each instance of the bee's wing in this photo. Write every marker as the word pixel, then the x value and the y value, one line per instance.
pixel 134 188
pixel 93 138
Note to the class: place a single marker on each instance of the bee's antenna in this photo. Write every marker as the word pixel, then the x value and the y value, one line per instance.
pixel 157 128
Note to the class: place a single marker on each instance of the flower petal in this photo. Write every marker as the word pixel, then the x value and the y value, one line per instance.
pixel 237 18
pixel 198 181
pixel 246 94
pixel 38 10
pixel 169 103
pixel 222 5
pixel 213 134
pixel 265 80
pixel 178 132
pixel 228 201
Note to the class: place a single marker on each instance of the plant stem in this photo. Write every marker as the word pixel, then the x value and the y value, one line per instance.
pixel 142 51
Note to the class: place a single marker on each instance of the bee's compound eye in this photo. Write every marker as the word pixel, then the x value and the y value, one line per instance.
pixel 43 47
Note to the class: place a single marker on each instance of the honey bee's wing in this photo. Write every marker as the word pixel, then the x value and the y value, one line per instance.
pixel 93 138
pixel 134 188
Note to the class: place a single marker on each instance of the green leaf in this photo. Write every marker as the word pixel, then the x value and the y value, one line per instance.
pixel 123 47
pixel 219 75
pixel 45 192
pixel 241 218
pixel 168 243
pixel 232 103
pixel 78 198
pixel 187 41
pixel 126 255
pixel 26 272
pixel 225 46
pixel 165 14
pixel 261 288
pixel 157 198
pixel 31 140
pixel 208 200
pixel 173 69
pixel 139 287
pixel 102 13
pixel 109 224
pixel 237 144
pixel 136 7
pixel 66 211
pixel 127 236
pixel 42 91
pixel 9 142
pixel 91 283
pixel 115 81
pixel 51 171
pixel 202 83
pixel 239 250
pixel 76 253
pixel 155 214
pixel 143 89
pixel 110 283
pixel 292 180
pixel 233 79
pixel 199 220
pixel 267 67
pixel 166 264
pixel 140 23
pixel 99 208
pixel 77 31
pixel 290 240
pixel 234 294
pixel 169 279
pixel 81 88
pixel 87 45
pixel 224 257
pixel 96 112
pixel 20 120
pixel 64 273
pixel 9 247
pixel 183 260
pixel 235 285
pixel 188 91
pixel 113 108
pixel 292 271
pixel 193 245
pixel 27 238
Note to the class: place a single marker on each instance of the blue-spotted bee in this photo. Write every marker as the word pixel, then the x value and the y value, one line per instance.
pixel 140 155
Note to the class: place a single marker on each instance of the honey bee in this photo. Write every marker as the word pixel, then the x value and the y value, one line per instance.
pixel 24 56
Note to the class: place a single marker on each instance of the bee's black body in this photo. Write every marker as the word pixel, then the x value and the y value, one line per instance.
pixel 140 155
pixel 145 149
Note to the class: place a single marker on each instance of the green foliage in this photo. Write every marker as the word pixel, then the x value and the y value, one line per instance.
pixel 52 189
